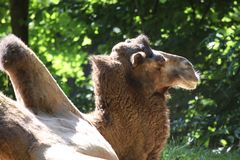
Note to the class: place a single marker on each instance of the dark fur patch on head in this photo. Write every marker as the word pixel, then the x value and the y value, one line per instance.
pixel 143 44
pixel 142 39
pixel 131 46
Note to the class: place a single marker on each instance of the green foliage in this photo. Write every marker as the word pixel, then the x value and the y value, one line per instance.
pixel 186 152
pixel 64 33
pixel 60 42
pixel 212 117
pixel 5 85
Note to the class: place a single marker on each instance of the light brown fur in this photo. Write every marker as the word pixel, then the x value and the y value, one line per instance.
pixel 42 123
pixel 131 95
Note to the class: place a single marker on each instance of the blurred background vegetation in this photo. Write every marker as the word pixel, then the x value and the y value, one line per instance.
pixel 64 33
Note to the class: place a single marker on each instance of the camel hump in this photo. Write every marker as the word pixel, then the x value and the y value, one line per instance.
pixel 33 84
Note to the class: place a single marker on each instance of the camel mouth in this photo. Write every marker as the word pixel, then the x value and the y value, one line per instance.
pixel 189 82
pixel 191 85
pixel 162 91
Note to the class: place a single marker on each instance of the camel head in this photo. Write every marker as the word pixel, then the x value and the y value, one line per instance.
pixel 155 70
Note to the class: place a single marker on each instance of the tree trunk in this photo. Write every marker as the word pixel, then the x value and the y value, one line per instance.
pixel 19 18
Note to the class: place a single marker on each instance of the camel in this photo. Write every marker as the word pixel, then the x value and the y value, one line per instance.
pixel 131 87
pixel 42 124
pixel 131 92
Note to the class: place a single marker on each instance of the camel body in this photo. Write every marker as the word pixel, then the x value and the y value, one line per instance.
pixel 42 124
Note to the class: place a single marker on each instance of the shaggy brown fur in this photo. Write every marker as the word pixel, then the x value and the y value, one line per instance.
pixel 130 95
pixel 43 123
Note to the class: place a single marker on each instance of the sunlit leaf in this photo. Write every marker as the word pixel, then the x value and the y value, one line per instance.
pixel 223 142
pixel 162 1
pixel 86 41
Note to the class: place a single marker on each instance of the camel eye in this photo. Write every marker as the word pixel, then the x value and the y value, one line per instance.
pixel 150 55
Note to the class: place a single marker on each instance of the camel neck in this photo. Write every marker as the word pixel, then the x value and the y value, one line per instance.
pixel 115 89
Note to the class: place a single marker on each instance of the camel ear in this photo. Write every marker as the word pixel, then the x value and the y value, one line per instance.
pixel 137 58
